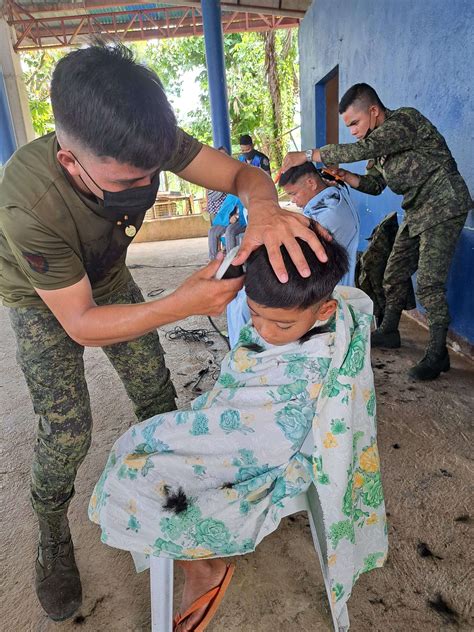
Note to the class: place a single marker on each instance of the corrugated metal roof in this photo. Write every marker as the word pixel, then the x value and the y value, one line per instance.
pixel 47 24
pixel 282 7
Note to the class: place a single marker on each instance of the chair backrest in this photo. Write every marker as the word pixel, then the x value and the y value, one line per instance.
pixel 307 447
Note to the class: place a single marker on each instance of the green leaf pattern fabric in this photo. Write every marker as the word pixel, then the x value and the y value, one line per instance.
pixel 236 459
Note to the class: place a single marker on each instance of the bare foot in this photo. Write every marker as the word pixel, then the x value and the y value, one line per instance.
pixel 200 576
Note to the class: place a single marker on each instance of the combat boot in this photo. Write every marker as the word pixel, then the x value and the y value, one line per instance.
pixel 436 358
pixel 387 335
pixel 58 584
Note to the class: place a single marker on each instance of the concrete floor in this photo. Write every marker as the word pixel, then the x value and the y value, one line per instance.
pixel 425 440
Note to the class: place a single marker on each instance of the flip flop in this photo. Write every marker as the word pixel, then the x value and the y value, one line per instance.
pixel 212 598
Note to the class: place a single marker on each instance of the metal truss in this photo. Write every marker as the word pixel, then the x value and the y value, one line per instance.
pixel 65 26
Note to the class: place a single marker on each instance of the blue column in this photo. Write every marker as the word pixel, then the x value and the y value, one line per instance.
pixel 7 133
pixel 211 14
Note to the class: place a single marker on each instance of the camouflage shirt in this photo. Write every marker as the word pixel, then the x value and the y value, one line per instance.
pixel 407 153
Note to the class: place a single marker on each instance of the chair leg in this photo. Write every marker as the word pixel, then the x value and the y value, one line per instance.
pixel 343 620
pixel 161 589
pixel 341 623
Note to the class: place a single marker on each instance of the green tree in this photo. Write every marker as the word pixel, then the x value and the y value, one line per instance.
pixel 281 70
pixel 37 71
pixel 262 84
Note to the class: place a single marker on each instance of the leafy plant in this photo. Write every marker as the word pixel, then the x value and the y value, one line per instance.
pixel 262 86
pixel 38 68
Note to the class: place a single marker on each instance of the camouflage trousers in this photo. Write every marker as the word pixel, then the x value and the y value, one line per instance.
pixel 53 366
pixel 430 253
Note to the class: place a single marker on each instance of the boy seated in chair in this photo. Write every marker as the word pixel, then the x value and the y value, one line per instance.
pixel 210 482
pixel 323 200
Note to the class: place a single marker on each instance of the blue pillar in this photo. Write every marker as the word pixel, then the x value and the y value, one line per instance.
pixel 7 134
pixel 211 14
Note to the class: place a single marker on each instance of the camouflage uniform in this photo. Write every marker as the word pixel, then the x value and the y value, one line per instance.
pixel 373 263
pixel 52 364
pixel 407 153
pixel 51 237
pixel 430 253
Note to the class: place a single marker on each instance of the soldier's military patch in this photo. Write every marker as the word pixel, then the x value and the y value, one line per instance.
pixel 37 262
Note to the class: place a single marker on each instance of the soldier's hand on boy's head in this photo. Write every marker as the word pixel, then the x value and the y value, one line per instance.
pixel 281 228
pixel 319 228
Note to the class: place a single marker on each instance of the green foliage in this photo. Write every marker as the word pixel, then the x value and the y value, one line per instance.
pixel 250 101
pixel 252 108
pixel 37 71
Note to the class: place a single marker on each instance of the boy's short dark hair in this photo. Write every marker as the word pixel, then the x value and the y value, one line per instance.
pixel 263 287
pixel 361 92
pixel 293 174
pixel 113 106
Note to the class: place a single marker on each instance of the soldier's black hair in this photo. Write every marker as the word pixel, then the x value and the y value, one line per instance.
pixel 361 92
pixel 113 106
pixel 292 175
pixel 245 139
pixel 263 287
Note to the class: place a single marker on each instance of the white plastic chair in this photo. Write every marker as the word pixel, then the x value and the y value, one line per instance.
pixel 161 587
pixel 161 569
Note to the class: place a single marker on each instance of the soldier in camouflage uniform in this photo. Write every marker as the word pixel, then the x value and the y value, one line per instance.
pixel 406 152
pixel 373 262
pixel 70 205
pixel 52 364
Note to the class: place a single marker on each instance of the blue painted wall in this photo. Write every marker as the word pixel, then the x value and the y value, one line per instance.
pixel 415 53
pixel 7 134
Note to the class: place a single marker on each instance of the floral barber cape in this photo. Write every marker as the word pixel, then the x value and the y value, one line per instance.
pixel 213 481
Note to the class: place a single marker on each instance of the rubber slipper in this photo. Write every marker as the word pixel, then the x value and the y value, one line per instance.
pixel 212 598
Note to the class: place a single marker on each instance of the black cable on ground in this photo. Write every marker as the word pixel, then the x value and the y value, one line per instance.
pixel 189 335
pixel 196 335
pixel 222 335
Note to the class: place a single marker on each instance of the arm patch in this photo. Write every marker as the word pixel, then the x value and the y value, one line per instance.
pixel 37 262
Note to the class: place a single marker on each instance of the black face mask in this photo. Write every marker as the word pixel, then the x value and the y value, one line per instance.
pixel 132 202
pixel 248 155
pixel 370 129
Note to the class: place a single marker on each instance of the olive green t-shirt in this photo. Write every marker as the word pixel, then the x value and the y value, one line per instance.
pixel 51 235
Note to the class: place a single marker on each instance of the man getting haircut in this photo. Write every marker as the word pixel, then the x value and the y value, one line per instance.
pixel 406 152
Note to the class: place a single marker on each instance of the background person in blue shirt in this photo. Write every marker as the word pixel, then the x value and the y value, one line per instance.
pixel 229 222
pixel 326 203
pixel 252 156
